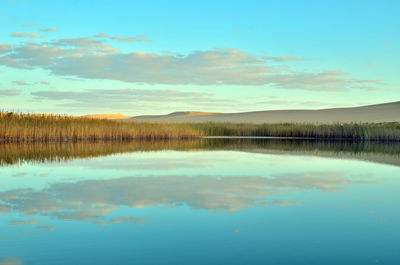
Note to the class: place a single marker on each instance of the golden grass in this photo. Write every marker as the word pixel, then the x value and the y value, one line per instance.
pixel 27 127
pixel 43 128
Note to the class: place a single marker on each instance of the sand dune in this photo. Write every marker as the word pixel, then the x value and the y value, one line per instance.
pixel 117 116
pixel 386 112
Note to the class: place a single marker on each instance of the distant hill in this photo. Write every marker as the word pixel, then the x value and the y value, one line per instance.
pixel 386 112
pixel 108 116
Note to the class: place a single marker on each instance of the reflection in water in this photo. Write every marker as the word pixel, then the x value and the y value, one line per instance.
pixel 23 222
pixel 48 228
pixel 87 200
pixel 229 198
pixel 10 261
pixel 383 152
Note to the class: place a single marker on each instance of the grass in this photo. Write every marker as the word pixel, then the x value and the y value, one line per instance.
pixel 30 127
pixel 44 128
pixel 349 131
pixel 42 152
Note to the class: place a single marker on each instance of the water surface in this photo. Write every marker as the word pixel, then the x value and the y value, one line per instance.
pixel 212 201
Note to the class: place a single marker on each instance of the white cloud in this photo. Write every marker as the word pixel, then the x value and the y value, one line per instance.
pixel 79 42
pixel 284 102
pixel 13 62
pixel 283 58
pixel 125 98
pixel 53 29
pixel 10 92
pixel 25 34
pixel 137 38
pixel 20 82
pixel 221 66
pixel 84 45
pixel 5 48
pixel 93 59
pixel 327 80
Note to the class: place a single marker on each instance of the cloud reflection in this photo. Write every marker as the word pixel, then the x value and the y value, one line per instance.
pixel 91 199
pixel 10 261
pixel 23 222
pixel 48 228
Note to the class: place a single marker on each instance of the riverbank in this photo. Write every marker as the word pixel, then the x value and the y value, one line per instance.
pixel 43 152
pixel 46 128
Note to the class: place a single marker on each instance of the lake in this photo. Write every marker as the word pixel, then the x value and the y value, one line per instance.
pixel 209 201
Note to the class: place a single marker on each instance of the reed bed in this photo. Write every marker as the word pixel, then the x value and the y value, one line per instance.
pixel 44 128
pixel 349 131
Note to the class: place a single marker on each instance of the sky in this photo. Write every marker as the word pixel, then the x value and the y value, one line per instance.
pixel 157 57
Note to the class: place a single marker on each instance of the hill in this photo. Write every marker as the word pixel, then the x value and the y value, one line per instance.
pixel 117 116
pixel 386 112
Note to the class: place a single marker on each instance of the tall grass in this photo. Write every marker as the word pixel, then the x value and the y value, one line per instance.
pixel 29 127
pixel 349 131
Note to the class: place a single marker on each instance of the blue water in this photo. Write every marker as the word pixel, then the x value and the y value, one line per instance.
pixel 201 207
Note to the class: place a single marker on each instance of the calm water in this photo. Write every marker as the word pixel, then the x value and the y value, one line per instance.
pixel 200 202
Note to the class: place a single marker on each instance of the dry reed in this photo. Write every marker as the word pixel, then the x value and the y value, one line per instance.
pixel 44 128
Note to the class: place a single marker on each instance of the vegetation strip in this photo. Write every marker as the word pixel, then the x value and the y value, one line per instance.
pixel 45 128
pixel 38 152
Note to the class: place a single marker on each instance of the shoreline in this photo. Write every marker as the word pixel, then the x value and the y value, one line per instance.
pixel 45 128
pixel 18 152
pixel 128 140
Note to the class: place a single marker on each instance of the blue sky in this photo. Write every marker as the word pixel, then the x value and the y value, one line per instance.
pixel 80 57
